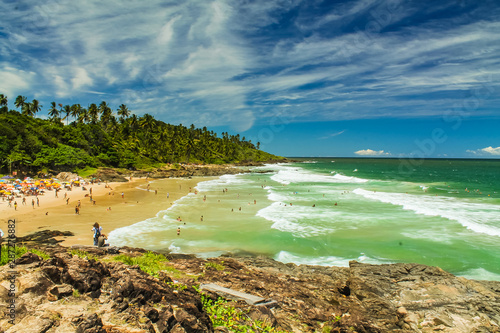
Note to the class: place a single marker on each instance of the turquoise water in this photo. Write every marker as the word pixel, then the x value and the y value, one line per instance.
pixel 329 211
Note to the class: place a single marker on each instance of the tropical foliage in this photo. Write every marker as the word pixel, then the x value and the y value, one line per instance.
pixel 75 137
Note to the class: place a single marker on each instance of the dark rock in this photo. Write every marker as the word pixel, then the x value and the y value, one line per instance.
pixel 91 324
pixel 44 237
pixel 53 273
pixel 166 320
pixel 109 175
pixel 265 315
pixel 27 258
pixel 152 314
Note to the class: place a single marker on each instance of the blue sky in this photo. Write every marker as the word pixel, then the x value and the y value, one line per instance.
pixel 304 78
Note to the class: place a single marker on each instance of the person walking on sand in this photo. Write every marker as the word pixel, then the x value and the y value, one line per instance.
pixel 15 205
pixel 123 195
pixel 37 202
pixel 97 230
pixel 33 203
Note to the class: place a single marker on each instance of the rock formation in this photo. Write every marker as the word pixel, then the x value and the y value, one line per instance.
pixel 71 294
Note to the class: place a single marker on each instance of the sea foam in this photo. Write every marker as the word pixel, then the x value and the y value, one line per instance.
pixel 297 219
pixel 287 175
pixel 287 257
pixel 477 217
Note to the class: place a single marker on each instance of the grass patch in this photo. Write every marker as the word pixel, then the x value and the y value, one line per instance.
pixel 149 262
pixel 83 254
pixel 222 314
pixel 215 265
pixel 19 251
pixel 86 172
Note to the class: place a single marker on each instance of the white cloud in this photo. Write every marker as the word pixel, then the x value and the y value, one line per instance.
pixel 14 82
pixel 80 79
pixel 186 59
pixel 486 151
pixel 370 152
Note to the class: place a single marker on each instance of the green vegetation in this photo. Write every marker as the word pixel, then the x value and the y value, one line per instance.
pixel 215 265
pixel 82 254
pixel 222 314
pixel 97 138
pixel 19 251
pixel 149 262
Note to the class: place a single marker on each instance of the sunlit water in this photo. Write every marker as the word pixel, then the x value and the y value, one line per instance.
pixel 329 211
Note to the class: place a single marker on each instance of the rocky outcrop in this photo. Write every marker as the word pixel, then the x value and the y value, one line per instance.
pixel 44 237
pixel 109 175
pixel 176 171
pixel 72 294
pixel 66 176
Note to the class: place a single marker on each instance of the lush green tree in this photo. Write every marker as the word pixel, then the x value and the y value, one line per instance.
pixel 106 113
pixel 93 113
pixel 67 111
pixel 30 144
pixel 35 107
pixel 84 116
pixel 3 104
pixel 123 112
pixel 20 101
pixel 54 112
pixel 76 109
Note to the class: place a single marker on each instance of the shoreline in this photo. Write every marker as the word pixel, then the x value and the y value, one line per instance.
pixel 110 210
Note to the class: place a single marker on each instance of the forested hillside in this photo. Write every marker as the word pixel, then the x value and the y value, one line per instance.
pixel 75 137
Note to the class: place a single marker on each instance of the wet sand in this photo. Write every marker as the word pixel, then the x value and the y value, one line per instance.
pixel 111 211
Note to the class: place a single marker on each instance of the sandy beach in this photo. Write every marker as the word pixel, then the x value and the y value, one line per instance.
pixel 110 210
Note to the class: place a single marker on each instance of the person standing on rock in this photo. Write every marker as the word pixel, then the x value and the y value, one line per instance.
pixel 97 232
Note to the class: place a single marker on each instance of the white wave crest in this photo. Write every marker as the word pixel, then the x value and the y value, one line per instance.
pixel 287 257
pixel 287 175
pixel 477 217
pixel 297 219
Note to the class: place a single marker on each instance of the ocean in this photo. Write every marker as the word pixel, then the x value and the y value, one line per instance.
pixel 328 211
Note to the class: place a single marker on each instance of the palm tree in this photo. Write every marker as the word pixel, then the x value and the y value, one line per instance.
pixel 84 116
pixel 106 113
pixel 53 112
pixel 148 122
pixel 35 107
pixel 93 113
pixel 75 110
pixel 67 110
pixel 27 109
pixel 123 112
pixel 3 104
pixel 20 101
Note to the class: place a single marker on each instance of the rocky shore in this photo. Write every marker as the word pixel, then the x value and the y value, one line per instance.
pixel 85 290
pixel 178 170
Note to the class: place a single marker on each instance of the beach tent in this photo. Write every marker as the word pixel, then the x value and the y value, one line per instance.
pixel 7 177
